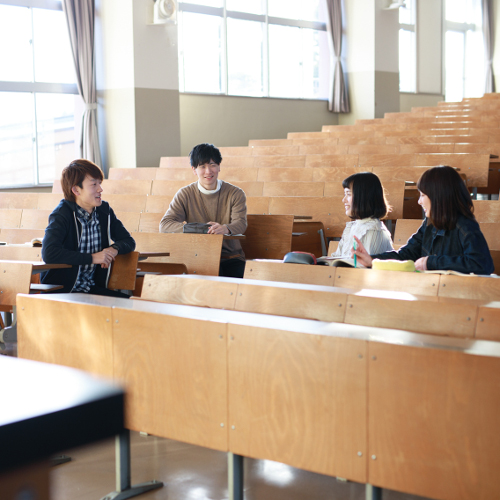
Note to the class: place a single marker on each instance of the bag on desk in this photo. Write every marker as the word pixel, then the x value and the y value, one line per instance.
pixel 196 227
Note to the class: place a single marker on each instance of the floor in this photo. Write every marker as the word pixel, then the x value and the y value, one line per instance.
pixel 194 473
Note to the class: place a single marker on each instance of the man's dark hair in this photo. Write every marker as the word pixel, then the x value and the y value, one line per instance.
pixel 448 195
pixel 74 175
pixel 204 153
pixel 368 198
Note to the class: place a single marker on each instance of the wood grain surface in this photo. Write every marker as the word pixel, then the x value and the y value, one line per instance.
pixel 10 218
pixel 18 200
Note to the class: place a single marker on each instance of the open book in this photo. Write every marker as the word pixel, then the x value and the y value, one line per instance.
pixel 337 262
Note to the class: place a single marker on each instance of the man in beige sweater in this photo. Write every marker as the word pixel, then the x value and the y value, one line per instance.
pixel 212 201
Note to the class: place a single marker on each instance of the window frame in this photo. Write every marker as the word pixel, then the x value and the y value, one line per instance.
pixel 224 13
pixel 34 88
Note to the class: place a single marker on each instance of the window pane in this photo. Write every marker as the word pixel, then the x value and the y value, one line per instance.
pixel 407 61
pixel 16 138
pixel 474 64
pixel 53 59
pixel 456 10
pixel 249 6
pixel 245 57
pixel 454 66
pixel 310 10
pixel 285 51
pixel 315 50
pixel 56 133
pixel 201 42
pixel 208 3
pixel 16 62
pixel 407 16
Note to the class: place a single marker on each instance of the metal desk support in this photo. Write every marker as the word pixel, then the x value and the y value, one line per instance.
pixel 373 492
pixel 123 477
pixel 9 333
pixel 235 476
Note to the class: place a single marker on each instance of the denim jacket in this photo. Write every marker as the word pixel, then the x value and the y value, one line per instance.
pixel 462 249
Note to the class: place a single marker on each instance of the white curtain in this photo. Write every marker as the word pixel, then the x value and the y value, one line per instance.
pixel 338 98
pixel 489 84
pixel 80 19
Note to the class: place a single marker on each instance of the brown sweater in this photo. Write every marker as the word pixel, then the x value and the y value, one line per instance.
pixel 227 206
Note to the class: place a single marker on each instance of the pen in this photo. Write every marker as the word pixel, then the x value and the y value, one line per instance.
pixel 354 246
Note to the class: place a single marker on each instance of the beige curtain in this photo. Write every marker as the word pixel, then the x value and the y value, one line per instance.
pixel 338 99
pixel 489 84
pixel 80 19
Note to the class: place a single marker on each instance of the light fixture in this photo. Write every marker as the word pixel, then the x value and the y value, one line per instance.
pixel 165 11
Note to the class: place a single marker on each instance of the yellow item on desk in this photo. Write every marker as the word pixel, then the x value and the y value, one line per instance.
pixel 394 265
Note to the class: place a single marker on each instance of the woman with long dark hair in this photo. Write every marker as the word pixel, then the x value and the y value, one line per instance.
pixel 449 238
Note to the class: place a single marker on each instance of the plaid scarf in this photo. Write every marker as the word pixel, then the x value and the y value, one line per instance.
pixel 90 242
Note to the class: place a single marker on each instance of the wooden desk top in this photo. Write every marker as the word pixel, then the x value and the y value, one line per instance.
pixel 51 408
pixel 145 255
pixel 234 236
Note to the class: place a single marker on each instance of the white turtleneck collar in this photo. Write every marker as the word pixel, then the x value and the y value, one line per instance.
pixel 206 191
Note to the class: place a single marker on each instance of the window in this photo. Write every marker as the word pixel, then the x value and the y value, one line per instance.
pixel 464 49
pixel 261 48
pixel 37 92
pixel 407 48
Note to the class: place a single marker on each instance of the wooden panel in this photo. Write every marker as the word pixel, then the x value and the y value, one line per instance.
pixel 176 174
pixel 143 173
pixel 335 174
pixel 16 278
pixel 332 161
pixel 432 431
pixel 123 272
pixel 268 236
pixel 287 150
pixel 487 211
pixel 235 151
pixel 130 220
pixel 20 236
pixel 307 135
pixel 469 287
pixel 126 187
pixel 33 479
pixel 446 132
pixel 426 148
pixel 10 218
pixel 257 205
pixel 193 292
pixel 405 174
pixel 405 228
pixel 298 399
pixel 20 252
pixel 239 161
pixel 422 316
pixel 395 193
pixel 491 232
pixel 373 149
pixel 492 148
pixel 200 252
pixel 18 200
pixel 374 160
pixel 127 202
pixel 168 188
pixel 280 161
pixel 311 240
pixel 48 201
pixel 250 188
pixel 175 375
pixel 488 322
pixel 234 174
pixel 361 139
pixel 415 283
pixel 289 273
pixel 158 204
pixel 150 223
pixel 293 189
pixel 269 142
pixel 270 174
pixel 67 326
pixel 324 150
pixel 35 219
pixel 175 162
pixel 291 302
pixel 328 210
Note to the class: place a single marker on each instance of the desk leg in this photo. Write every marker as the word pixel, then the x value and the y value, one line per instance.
pixel 235 476
pixel 373 492
pixel 8 335
pixel 123 478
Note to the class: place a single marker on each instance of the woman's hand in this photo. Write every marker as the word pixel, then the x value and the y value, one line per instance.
pixel 363 257
pixel 216 228
pixel 421 264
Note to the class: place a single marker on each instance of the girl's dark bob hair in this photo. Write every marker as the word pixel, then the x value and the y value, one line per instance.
pixel 368 198
pixel 448 194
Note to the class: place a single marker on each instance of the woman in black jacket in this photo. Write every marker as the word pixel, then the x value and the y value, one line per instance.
pixel 83 232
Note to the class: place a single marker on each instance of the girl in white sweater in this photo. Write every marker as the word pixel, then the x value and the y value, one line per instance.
pixel 365 203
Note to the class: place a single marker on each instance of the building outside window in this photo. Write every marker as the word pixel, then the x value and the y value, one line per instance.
pixel 258 48
pixel 37 93
pixel 408 47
